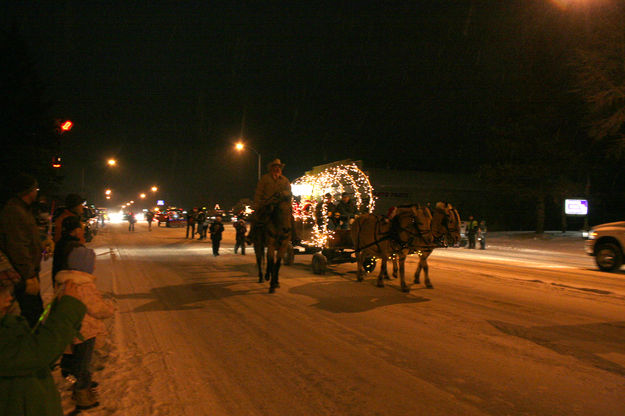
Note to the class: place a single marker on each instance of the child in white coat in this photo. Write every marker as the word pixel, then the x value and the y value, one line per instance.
pixel 81 264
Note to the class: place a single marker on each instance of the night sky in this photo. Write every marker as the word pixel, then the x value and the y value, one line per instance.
pixel 167 87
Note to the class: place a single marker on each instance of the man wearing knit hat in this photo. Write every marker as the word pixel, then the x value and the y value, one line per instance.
pixel 21 243
pixel 73 207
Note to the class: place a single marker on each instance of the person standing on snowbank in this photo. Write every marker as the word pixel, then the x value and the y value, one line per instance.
pixel 26 383
pixel 81 264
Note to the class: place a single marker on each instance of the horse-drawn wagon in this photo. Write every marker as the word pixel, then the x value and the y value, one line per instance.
pixel 325 235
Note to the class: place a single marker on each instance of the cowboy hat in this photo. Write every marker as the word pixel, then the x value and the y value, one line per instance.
pixel 276 162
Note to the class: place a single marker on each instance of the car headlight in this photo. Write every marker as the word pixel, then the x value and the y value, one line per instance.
pixel 592 234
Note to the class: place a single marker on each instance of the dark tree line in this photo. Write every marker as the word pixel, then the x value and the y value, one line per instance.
pixel 29 140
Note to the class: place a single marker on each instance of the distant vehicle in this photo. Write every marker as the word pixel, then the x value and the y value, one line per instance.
pixel 171 218
pixel 606 242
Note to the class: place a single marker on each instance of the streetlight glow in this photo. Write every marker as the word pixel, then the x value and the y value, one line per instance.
pixel 154 188
pixel 240 146
pixel 111 162
pixel 142 196
pixel 107 192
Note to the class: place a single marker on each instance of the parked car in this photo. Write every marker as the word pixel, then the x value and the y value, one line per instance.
pixel 606 242
pixel 171 218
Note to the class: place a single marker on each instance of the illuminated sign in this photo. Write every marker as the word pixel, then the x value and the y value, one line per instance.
pixel 160 202
pixel 576 207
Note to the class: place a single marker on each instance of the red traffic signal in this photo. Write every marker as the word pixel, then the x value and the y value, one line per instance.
pixel 67 125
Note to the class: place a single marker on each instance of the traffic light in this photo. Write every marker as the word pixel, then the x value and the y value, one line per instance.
pixel 67 125
pixel 56 162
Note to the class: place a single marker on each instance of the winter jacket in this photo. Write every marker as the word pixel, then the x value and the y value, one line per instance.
pixel 268 186
pixel 97 307
pixel 241 230
pixel 26 384
pixel 58 224
pixel 216 229
pixel 346 209
pixel 19 238
pixel 61 251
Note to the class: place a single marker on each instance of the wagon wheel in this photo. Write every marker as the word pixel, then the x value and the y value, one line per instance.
pixel 289 255
pixel 319 263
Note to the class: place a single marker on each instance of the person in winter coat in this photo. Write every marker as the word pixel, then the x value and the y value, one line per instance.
pixel 72 235
pixel 132 219
pixel 201 222
pixel 149 217
pixel 73 207
pixel 81 263
pixel 271 185
pixel 472 228
pixel 190 217
pixel 26 384
pixel 216 229
pixel 241 229
pixel 21 243
pixel 347 210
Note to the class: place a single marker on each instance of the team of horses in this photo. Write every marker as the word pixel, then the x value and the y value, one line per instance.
pixel 413 229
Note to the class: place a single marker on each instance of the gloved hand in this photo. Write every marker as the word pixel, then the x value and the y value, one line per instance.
pixel 32 286
pixel 48 248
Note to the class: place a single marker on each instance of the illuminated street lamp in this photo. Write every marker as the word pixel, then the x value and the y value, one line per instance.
pixel 111 162
pixel 154 188
pixel 108 192
pixel 67 125
pixel 241 146
pixel 142 196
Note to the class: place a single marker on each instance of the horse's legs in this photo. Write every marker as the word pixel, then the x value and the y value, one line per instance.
pixel 426 273
pixel 402 275
pixel 274 276
pixel 269 263
pixel 395 267
pixel 383 271
pixel 418 272
pixel 259 262
pixel 359 268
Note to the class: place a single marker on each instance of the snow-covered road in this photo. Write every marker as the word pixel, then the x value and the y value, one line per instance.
pixel 504 332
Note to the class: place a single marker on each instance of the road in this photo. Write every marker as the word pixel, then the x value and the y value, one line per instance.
pixel 503 332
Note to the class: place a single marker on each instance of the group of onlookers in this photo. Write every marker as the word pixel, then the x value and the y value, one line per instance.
pixel 31 338
pixel 198 222
pixel 476 231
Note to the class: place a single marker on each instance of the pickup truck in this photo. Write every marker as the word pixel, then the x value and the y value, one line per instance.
pixel 606 242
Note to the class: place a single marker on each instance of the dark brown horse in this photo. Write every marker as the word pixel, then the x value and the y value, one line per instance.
pixel 274 235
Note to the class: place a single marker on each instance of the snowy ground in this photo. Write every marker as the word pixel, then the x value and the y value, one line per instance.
pixel 526 327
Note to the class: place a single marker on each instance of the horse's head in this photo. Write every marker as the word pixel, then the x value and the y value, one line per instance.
pixel 413 225
pixel 445 224
pixel 281 215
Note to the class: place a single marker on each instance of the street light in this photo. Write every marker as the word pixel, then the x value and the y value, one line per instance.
pixel 108 192
pixel 142 196
pixel 241 146
pixel 154 188
pixel 111 162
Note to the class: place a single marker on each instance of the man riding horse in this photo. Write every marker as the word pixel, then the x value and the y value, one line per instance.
pixel 271 187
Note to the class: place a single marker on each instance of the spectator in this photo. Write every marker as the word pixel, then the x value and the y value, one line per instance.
pixel 241 229
pixel 325 210
pixel 26 384
pixel 21 243
pixel 201 220
pixel 149 217
pixel 73 206
pixel 471 231
pixel 81 264
pixel 131 221
pixel 481 234
pixel 72 235
pixel 216 229
pixel 191 215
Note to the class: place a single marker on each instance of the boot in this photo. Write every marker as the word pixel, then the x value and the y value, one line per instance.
pixel 85 399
